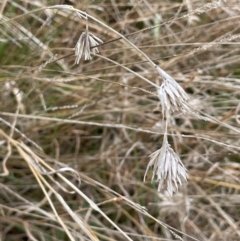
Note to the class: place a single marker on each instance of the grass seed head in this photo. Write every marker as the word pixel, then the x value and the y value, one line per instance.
pixel 168 168
pixel 172 96
pixel 86 42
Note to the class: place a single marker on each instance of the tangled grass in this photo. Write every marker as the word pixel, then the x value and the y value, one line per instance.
pixel 90 90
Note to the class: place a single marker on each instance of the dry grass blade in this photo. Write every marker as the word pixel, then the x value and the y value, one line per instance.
pixel 42 182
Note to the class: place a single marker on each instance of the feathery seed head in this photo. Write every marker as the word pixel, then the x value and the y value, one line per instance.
pixel 86 42
pixel 172 96
pixel 168 168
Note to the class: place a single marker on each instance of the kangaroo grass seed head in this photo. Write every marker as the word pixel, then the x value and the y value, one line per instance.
pixel 172 96
pixel 85 44
pixel 168 168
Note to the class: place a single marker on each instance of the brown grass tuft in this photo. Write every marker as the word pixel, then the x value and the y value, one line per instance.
pixel 95 122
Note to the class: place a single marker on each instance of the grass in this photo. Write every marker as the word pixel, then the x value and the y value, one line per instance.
pixel 100 120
